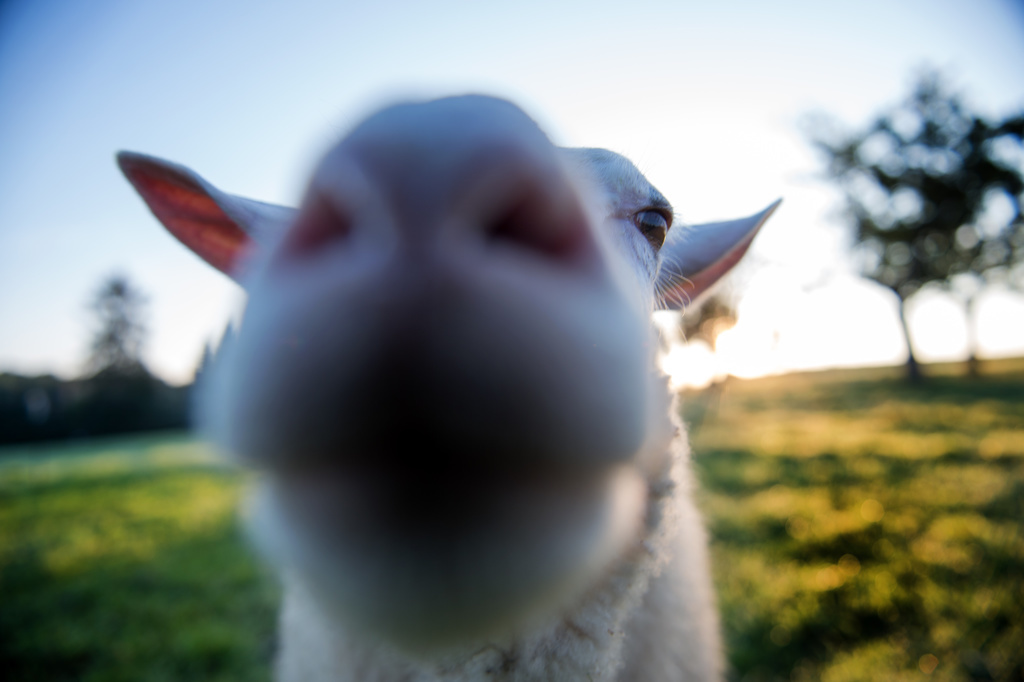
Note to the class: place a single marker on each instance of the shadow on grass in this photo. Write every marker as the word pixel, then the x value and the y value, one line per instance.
pixel 807 586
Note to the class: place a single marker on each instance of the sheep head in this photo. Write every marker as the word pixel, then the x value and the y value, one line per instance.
pixel 446 362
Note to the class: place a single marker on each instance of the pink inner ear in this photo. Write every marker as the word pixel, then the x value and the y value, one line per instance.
pixel 689 289
pixel 702 281
pixel 193 217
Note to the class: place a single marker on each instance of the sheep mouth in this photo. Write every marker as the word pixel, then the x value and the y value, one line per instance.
pixel 417 557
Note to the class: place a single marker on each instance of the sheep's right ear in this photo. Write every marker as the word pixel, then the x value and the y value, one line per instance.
pixel 220 228
pixel 697 256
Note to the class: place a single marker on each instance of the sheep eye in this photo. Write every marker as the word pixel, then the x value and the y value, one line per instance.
pixel 654 226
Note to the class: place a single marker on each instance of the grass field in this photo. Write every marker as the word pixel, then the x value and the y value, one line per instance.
pixel 121 560
pixel 863 529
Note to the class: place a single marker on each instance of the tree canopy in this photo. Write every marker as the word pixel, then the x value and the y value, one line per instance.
pixel 933 191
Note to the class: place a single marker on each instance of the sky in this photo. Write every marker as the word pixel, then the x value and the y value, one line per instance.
pixel 707 98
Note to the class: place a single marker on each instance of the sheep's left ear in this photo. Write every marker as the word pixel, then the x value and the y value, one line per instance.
pixel 697 256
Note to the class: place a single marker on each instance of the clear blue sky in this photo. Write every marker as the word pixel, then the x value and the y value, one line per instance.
pixel 705 97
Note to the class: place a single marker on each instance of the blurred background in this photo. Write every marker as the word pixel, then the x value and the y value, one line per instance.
pixel 866 516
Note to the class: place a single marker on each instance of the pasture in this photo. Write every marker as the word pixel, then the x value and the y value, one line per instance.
pixel 862 529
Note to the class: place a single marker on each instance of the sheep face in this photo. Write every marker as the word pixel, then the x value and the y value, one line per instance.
pixel 446 363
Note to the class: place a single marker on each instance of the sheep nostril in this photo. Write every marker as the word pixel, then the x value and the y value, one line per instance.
pixel 320 223
pixel 537 221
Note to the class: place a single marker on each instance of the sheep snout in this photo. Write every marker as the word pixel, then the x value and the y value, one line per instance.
pixel 440 292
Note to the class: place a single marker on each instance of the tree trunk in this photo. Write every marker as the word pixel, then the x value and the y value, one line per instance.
pixel 913 369
pixel 973 363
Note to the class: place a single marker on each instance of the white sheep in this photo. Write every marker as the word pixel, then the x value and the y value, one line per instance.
pixel 446 370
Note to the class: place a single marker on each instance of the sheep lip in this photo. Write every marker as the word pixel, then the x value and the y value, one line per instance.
pixel 424 496
pixel 433 460
pixel 346 508
pixel 442 473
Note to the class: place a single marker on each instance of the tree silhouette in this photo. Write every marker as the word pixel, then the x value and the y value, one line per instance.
pixel 934 193
pixel 711 317
pixel 118 341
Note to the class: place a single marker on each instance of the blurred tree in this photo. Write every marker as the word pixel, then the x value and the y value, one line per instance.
pixel 117 344
pixel 711 317
pixel 934 193
pixel 118 395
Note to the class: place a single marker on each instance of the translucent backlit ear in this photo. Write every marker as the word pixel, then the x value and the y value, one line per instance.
pixel 220 228
pixel 697 256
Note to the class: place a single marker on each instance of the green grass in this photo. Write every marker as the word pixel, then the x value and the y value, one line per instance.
pixel 863 529
pixel 122 560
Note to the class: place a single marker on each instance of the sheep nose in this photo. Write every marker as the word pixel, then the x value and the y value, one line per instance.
pixel 457 172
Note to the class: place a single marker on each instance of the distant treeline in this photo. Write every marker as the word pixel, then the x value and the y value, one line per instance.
pixel 47 408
